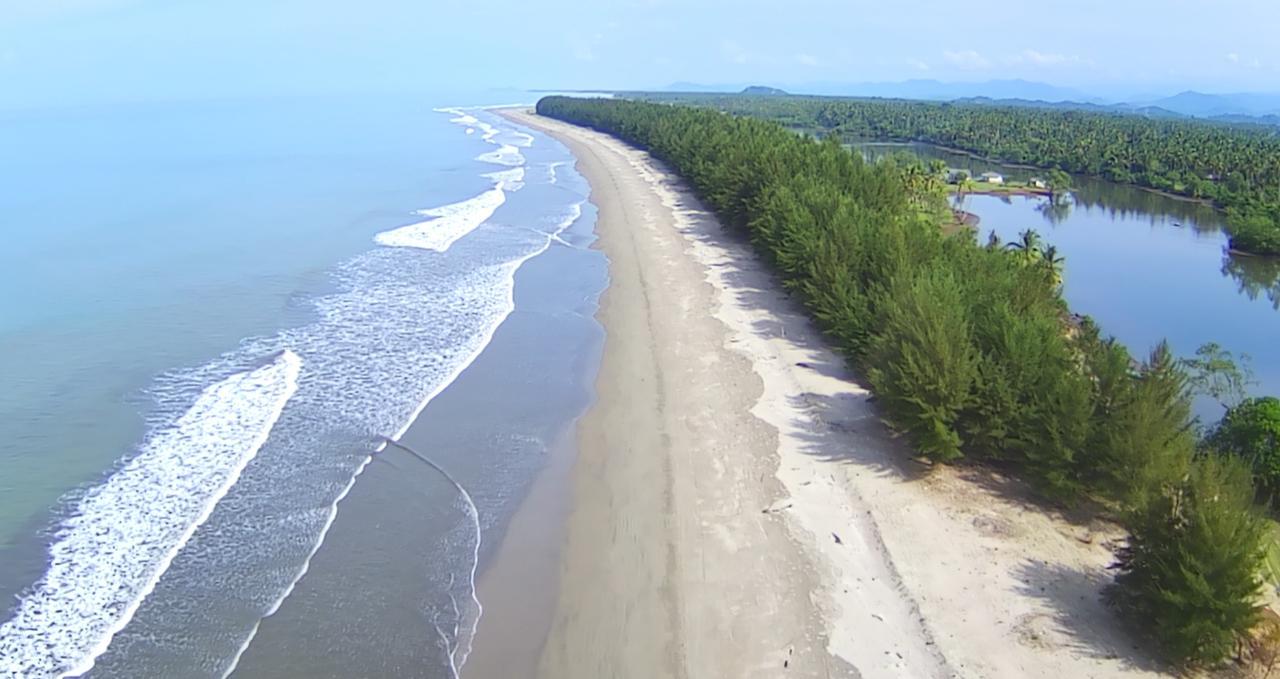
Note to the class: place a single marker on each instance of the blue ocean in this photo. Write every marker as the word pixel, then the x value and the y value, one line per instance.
pixel 211 313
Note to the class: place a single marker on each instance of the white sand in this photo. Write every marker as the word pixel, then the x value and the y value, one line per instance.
pixel 739 510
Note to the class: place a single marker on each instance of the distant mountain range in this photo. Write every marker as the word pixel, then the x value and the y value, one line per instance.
pixel 909 89
pixel 1204 105
pixel 1240 107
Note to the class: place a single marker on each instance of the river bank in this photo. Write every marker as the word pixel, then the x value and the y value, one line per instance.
pixel 738 508
pixel 1023 166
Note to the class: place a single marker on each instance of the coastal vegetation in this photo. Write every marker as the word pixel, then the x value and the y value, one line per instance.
pixel 974 355
pixel 1250 431
pixel 1236 167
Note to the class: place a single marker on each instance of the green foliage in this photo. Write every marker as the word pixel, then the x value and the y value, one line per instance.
pixel 1150 439
pixel 922 361
pixel 1189 575
pixel 971 349
pixel 1251 432
pixel 1254 232
pixel 1235 166
pixel 1059 183
pixel 1214 372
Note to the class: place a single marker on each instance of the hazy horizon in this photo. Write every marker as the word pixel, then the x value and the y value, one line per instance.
pixel 78 51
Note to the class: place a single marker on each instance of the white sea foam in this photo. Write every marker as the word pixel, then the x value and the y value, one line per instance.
pixel 523 139
pixel 491 292
pixel 505 154
pixel 552 173
pixel 489 130
pixel 510 180
pixel 109 555
pixel 461 117
pixel 383 315
pixel 447 223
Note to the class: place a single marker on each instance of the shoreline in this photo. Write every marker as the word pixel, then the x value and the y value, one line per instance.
pixel 1021 166
pixel 369 602
pixel 739 508
pixel 999 190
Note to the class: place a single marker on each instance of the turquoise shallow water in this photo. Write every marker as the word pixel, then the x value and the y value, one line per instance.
pixel 208 314
pixel 142 239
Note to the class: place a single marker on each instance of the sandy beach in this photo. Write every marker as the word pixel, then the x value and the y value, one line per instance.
pixel 738 510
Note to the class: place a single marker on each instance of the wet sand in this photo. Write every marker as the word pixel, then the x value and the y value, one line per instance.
pixel 738 510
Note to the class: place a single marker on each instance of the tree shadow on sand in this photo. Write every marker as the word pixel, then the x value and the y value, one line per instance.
pixel 845 427
pixel 1077 619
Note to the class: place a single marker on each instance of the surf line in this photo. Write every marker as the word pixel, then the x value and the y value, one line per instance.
pixel 455 663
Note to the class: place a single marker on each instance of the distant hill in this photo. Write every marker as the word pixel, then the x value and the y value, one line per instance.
pixel 1258 108
pixel 1148 111
pixel 909 89
pixel 1204 105
pixel 991 89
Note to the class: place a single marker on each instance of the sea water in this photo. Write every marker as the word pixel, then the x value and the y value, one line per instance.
pixel 210 314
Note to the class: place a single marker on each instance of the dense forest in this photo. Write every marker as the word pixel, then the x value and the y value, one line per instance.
pixel 973 354
pixel 1237 167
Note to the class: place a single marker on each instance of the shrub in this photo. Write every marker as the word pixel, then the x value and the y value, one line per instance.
pixel 922 362
pixel 1251 431
pixel 1254 232
pixel 1150 441
pixel 1189 574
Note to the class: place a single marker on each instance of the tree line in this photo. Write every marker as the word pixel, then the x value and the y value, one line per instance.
pixel 1237 167
pixel 973 353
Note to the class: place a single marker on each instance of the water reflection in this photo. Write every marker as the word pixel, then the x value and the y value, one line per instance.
pixel 1255 276
pixel 1115 200
pixel 1055 211
pixel 1148 267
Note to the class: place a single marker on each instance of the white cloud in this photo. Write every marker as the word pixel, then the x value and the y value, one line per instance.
pixel 586 50
pixel 807 60
pixel 1235 58
pixel 966 59
pixel 918 64
pixel 1043 59
pixel 733 52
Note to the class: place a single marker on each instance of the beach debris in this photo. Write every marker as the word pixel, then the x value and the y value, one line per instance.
pixel 802 364
pixel 838 540
pixel 776 507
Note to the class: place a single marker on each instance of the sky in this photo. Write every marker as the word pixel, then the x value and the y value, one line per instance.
pixel 83 51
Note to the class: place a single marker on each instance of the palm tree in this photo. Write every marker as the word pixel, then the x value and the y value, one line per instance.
pixel 1059 183
pixel 1049 257
pixel 1027 246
